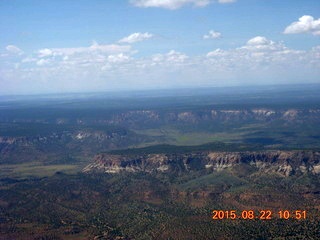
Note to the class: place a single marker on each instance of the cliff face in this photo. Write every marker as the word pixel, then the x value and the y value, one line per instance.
pixel 139 118
pixel 151 117
pixel 285 163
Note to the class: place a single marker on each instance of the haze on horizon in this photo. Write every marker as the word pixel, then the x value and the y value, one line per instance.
pixel 84 46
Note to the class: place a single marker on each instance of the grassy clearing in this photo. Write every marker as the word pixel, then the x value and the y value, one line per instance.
pixel 190 138
pixel 273 135
pixel 34 169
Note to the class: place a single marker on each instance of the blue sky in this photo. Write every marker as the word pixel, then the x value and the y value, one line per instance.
pixel 100 45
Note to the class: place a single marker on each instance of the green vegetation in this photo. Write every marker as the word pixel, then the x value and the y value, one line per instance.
pixel 45 143
pixel 144 206
pixel 36 169
pixel 214 181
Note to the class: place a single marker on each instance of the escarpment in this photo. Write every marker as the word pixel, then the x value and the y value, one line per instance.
pixel 285 163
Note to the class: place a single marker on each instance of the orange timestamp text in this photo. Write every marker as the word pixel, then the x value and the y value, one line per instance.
pixel 260 214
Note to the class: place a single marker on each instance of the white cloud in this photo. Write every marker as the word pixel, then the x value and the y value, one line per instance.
pixel 14 49
pixel 170 57
pixel 256 41
pixel 262 44
pixel 42 62
pixel 174 56
pixel 217 52
pixel 136 37
pixel 169 4
pixel 111 48
pixel 94 48
pixel 306 24
pixel 29 60
pixel 259 53
pixel 45 52
pixel 212 35
pixel 119 58
pixel 259 60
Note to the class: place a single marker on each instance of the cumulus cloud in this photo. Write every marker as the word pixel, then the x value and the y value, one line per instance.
pixel 170 57
pixel 212 35
pixel 42 62
pixel 14 49
pixel 256 41
pixel 174 56
pixel 217 52
pixel 45 52
pixel 118 58
pixel 260 53
pixel 95 68
pixel 94 48
pixel 111 48
pixel 136 37
pixel 169 4
pixel 261 60
pixel 306 24
pixel 260 43
pixel 76 59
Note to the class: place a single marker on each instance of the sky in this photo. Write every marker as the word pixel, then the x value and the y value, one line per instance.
pixel 105 45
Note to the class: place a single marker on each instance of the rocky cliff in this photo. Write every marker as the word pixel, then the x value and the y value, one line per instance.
pixel 139 118
pixel 285 163
pixel 153 117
